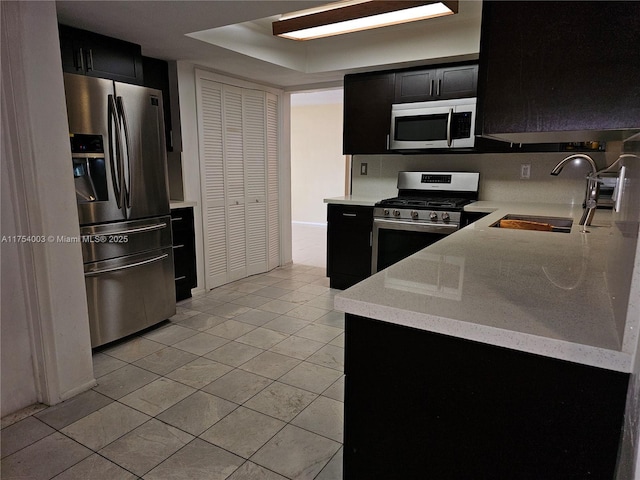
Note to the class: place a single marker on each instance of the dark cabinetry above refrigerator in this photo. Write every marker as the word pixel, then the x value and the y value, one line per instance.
pixel 88 53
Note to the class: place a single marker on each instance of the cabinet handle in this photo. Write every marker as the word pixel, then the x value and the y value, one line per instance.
pixel 431 88
pixel 371 239
pixel 349 215
pixel 178 246
pixel 179 278
pixel 176 219
pixel 90 60
pixel 78 59
pixel 388 141
pixel 439 85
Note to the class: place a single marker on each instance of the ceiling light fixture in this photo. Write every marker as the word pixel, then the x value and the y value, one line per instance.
pixel 355 15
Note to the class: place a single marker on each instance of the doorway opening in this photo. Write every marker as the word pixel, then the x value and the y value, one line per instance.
pixel 319 170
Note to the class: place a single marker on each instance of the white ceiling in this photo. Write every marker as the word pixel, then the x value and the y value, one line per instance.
pixel 234 37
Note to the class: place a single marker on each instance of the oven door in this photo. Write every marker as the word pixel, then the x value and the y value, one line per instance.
pixel 394 240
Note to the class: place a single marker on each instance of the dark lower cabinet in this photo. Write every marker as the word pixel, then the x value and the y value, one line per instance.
pixel 184 251
pixel 420 405
pixel 349 229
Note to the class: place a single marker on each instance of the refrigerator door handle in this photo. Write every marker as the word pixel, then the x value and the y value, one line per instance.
pixel 149 228
pixel 114 154
pixel 127 182
pixel 125 267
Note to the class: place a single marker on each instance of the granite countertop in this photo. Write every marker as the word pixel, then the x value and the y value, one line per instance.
pixel 539 292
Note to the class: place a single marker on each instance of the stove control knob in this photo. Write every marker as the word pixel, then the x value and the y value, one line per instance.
pixel 386 212
pixel 433 216
pixel 445 217
pixel 396 213
pixel 414 214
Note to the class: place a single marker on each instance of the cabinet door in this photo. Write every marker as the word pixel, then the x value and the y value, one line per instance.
pixel 559 71
pixel 184 251
pixel 436 84
pixel 107 57
pixel 457 82
pixel 88 53
pixel 72 61
pixel 367 113
pixel 348 244
pixel 415 86
pixel 156 75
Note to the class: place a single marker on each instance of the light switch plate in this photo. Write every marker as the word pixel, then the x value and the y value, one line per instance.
pixel 363 169
pixel 525 171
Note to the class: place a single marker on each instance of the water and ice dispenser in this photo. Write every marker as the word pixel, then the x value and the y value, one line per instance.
pixel 89 168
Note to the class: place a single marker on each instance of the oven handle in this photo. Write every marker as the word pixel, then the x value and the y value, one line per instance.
pixel 444 229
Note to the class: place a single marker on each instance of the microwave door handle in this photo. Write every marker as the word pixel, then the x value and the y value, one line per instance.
pixel 449 127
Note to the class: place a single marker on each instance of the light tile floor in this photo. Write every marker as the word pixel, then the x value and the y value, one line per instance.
pixel 244 382
pixel 309 244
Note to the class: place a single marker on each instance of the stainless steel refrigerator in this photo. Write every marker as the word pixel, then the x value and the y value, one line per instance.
pixel 120 171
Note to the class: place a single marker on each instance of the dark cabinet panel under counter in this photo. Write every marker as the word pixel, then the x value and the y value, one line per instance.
pixel 349 230
pixel 452 408
pixel 184 251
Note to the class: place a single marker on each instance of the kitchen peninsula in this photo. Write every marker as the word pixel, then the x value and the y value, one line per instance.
pixel 493 353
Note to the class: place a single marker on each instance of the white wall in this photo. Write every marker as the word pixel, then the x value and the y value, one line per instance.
pixel 46 348
pixel 317 162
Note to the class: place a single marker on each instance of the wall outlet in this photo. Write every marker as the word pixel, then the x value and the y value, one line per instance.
pixel 525 171
pixel 363 169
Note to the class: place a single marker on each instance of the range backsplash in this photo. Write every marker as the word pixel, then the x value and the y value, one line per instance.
pixel 499 174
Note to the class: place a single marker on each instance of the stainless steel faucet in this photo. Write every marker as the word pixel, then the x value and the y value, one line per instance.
pixel 593 186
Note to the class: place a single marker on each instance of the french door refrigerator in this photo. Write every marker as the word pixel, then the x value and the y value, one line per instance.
pixel 120 172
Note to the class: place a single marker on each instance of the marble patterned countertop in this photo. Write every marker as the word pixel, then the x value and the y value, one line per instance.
pixel 539 292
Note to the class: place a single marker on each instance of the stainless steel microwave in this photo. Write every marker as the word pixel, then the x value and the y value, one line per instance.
pixel 437 124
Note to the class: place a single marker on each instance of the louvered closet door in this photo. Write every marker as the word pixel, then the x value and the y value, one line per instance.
pixel 255 159
pixel 234 126
pixel 238 130
pixel 273 222
pixel 212 182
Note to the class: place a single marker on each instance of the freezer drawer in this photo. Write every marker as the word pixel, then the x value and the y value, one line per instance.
pixel 111 240
pixel 128 294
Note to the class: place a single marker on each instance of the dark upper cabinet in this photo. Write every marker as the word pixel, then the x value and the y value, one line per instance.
pixel 436 84
pixel 156 75
pixel 88 53
pixel 367 112
pixel 559 71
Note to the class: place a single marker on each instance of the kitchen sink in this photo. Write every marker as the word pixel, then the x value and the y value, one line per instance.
pixel 535 222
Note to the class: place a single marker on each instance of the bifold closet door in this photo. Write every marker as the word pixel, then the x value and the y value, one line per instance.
pixel 212 181
pixel 238 130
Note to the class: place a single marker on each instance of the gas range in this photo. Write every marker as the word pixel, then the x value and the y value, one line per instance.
pixel 430 197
